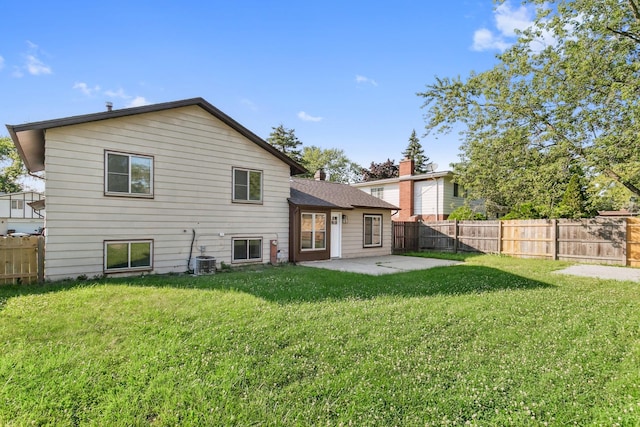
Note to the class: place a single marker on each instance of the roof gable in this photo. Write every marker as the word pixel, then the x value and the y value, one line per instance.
pixel 29 138
pixel 308 192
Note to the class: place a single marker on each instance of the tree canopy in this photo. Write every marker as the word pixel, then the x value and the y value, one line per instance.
pixel 12 167
pixel 388 169
pixel 415 151
pixel 563 97
pixel 334 162
pixel 286 141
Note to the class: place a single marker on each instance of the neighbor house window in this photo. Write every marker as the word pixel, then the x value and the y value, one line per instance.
pixel 377 192
pixel 17 204
pixel 313 234
pixel 247 185
pixel 128 174
pixel 372 231
pixel 127 255
pixel 456 190
pixel 245 250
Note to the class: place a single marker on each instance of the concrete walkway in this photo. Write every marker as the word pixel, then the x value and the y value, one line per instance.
pixel 379 265
pixel 603 272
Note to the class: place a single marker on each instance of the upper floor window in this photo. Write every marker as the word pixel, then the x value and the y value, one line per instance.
pixel 17 204
pixel 247 185
pixel 377 192
pixel 128 174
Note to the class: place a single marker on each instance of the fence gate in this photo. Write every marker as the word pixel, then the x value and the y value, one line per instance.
pixel 633 242
pixel 21 260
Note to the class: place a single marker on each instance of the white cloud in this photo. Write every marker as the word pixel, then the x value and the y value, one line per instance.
pixel 484 39
pixel 308 118
pixel 84 88
pixel 32 63
pixel 35 67
pixel 117 94
pixel 508 21
pixel 365 80
pixel 249 104
pixel 1 62
pixel 138 101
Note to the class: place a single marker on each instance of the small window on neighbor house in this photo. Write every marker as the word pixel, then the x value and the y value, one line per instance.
pixel 127 255
pixel 246 250
pixel 377 192
pixel 17 204
pixel 128 174
pixel 372 231
pixel 313 234
pixel 247 185
pixel 456 190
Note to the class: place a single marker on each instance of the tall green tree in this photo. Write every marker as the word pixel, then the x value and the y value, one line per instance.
pixel 335 163
pixel 415 151
pixel 565 93
pixel 286 141
pixel 11 167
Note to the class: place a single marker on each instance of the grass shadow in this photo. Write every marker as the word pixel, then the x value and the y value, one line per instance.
pixel 287 284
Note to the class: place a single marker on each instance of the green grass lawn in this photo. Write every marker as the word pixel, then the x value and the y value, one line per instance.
pixel 495 341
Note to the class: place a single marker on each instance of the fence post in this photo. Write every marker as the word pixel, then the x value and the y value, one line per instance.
pixel 499 237
pixel 455 236
pixel 40 259
pixel 554 239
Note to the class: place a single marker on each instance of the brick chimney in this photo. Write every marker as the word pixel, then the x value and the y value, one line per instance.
pixel 406 190
pixel 320 175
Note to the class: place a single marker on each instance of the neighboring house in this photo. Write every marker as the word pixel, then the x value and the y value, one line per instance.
pixel 332 220
pixel 17 214
pixel 148 189
pixel 430 196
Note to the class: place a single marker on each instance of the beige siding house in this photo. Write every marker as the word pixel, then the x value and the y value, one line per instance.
pixel 332 220
pixel 149 189
pixel 430 196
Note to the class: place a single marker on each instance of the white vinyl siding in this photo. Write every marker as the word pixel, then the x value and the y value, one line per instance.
pixel 389 192
pixel 353 234
pixel 192 188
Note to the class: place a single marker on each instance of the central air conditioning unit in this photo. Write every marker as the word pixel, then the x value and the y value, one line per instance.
pixel 204 265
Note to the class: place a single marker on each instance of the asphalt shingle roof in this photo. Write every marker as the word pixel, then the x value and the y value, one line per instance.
pixel 309 192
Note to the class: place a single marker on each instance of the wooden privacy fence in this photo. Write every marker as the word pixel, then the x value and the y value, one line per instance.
pixel 21 260
pixel 609 241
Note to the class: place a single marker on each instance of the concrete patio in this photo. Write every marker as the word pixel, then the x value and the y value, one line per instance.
pixel 379 265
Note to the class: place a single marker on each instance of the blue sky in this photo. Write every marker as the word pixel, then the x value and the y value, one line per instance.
pixel 343 74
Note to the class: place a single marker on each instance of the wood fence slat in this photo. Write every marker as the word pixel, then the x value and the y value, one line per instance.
pixel 610 240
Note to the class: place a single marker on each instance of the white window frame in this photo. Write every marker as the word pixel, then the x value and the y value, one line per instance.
pixel 248 171
pixel 374 243
pixel 128 267
pixel 377 192
pixel 245 239
pixel 19 204
pixel 127 193
pixel 314 231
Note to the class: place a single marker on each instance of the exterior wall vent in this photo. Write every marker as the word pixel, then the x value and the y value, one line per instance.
pixel 204 265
